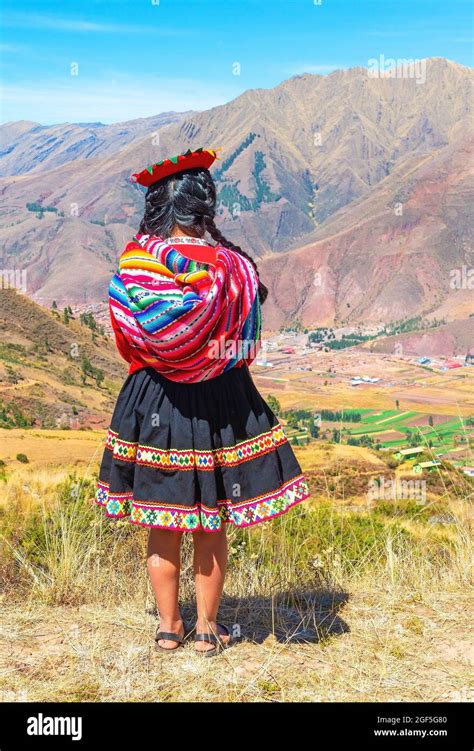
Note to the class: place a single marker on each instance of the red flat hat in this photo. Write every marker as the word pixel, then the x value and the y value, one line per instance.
pixel 198 158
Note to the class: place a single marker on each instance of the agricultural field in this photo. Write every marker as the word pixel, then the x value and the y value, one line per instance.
pixel 387 430
pixel 409 404
pixel 327 384
pixel 398 429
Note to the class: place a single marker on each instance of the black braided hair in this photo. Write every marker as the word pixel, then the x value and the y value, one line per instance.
pixel 217 235
pixel 188 200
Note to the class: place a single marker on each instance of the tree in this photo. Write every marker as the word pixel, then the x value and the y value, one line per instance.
pixel 412 437
pixel 99 376
pixel 430 420
pixel 274 404
pixel 89 370
pixel 87 319
pixel 86 368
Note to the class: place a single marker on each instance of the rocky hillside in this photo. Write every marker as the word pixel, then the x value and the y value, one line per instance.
pixel 391 255
pixel 54 371
pixel 453 338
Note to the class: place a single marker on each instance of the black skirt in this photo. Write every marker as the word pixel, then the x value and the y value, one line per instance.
pixel 190 456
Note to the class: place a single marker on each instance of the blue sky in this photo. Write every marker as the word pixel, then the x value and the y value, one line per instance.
pixel 136 58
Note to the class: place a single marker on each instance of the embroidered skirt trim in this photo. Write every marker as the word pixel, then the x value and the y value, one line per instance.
pixel 191 518
pixel 149 456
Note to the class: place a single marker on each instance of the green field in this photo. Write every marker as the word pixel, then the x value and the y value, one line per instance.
pixel 385 421
pixel 376 424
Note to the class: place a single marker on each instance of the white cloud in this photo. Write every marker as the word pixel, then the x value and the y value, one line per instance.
pixel 111 100
pixel 54 23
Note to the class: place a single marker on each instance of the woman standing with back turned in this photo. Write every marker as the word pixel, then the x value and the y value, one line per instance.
pixel 192 446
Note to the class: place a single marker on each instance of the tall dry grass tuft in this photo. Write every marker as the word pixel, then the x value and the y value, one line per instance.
pixel 57 547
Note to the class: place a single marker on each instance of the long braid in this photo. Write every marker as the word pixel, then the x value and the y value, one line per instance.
pixel 217 235
pixel 188 200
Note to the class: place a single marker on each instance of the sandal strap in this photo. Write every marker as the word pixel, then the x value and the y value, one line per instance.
pixel 168 637
pixel 210 638
pixel 213 638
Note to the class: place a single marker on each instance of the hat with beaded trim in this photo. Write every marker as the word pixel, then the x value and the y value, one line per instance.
pixel 190 159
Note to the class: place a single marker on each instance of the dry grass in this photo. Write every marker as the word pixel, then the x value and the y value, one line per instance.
pixel 379 644
pixel 332 604
pixel 50 451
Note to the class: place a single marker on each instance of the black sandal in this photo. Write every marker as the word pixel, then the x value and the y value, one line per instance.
pixel 171 637
pixel 216 640
pixel 187 630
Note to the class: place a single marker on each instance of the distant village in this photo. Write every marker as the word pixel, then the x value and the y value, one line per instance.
pixel 290 348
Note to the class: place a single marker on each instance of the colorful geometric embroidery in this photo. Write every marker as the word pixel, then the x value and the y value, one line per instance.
pixel 189 458
pixel 190 518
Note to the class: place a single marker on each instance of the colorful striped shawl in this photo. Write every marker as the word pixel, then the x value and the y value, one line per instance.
pixel 189 321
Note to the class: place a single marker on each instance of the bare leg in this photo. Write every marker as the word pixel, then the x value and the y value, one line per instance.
pixel 163 563
pixel 210 563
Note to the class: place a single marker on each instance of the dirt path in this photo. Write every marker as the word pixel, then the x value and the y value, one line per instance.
pixel 393 417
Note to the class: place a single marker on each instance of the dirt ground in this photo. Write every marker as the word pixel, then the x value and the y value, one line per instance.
pixel 364 645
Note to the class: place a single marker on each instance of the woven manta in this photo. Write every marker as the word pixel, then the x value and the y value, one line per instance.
pixel 189 320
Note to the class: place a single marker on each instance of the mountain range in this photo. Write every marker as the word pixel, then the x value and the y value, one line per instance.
pixel 352 193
